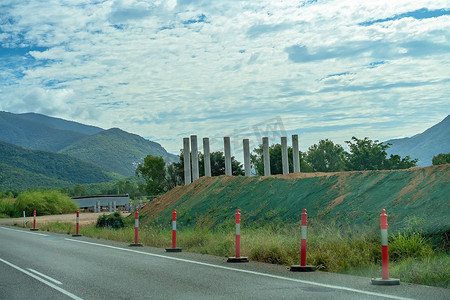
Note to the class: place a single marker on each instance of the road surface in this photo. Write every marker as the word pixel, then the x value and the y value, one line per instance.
pixel 42 265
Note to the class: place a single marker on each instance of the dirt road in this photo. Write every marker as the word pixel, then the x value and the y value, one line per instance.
pixel 85 219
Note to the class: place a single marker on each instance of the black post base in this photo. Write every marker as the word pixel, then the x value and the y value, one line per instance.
pixel 297 268
pixel 237 259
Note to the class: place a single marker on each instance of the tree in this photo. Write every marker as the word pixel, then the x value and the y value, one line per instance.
pixel 276 167
pixel 395 162
pixel 173 176
pixel 177 170
pixel 79 190
pixel 153 170
pixel 326 157
pixel 366 154
pixel 218 164
pixel 441 159
pixel 125 187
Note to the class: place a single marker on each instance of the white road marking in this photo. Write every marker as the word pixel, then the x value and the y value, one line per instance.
pixel 45 276
pixel 63 291
pixel 23 231
pixel 247 271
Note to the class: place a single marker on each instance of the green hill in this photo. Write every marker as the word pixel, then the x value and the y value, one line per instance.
pixel 62 124
pixel 22 169
pixel 32 134
pixel 418 196
pixel 116 150
pixel 425 145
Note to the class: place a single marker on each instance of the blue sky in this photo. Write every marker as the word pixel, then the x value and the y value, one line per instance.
pixel 169 69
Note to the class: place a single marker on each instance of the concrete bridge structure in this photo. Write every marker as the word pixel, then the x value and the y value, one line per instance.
pixel 190 152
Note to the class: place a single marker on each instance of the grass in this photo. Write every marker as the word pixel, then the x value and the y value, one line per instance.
pixel 433 270
pixel 330 248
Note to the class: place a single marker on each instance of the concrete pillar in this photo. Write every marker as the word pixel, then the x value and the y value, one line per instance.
pixel 194 152
pixel 246 144
pixel 266 156
pixel 99 207
pixel 110 206
pixel 187 161
pixel 284 155
pixel 295 150
pixel 207 157
pixel 114 206
pixel 227 146
pixel 95 207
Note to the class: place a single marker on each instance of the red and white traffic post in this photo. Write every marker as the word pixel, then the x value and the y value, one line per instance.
pixel 238 257
pixel 136 230
pixel 78 225
pixel 174 234
pixel 34 222
pixel 303 267
pixel 384 280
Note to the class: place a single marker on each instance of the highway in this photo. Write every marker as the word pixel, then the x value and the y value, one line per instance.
pixel 43 265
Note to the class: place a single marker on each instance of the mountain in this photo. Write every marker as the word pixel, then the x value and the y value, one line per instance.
pixel 22 169
pixel 116 150
pixel 62 124
pixel 40 132
pixel 425 145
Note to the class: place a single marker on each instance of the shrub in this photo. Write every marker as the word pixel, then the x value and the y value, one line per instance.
pixel 45 203
pixel 7 208
pixel 110 221
pixel 403 245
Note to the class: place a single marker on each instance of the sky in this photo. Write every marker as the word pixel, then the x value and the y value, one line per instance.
pixel 169 69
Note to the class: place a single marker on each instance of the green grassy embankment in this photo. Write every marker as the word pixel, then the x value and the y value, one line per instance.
pixel 352 199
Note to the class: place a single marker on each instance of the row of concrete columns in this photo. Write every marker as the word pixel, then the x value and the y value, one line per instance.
pixel 190 146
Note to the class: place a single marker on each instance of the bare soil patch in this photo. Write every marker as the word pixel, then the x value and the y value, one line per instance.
pixel 159 204
pixel 337 201
pixel 85 219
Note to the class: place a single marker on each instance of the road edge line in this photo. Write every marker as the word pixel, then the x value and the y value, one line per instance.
pixel 63 291
pixel 23 231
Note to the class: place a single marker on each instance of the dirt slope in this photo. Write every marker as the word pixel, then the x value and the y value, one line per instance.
pixel 414 197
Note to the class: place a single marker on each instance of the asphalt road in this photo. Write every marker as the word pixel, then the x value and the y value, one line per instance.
pixel 45 265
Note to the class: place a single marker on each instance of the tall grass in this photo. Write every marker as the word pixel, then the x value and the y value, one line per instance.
pixel 7 208
pixel 330 248
pixel 44 202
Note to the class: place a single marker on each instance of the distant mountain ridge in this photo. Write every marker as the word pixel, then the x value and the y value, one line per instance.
pixel 28 132
pixel 114 150
pixel 62 124
pixel 425 145
pixel 125 150
pixel 22 168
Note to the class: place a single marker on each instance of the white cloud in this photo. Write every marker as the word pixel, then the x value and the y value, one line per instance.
pixel 175 68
